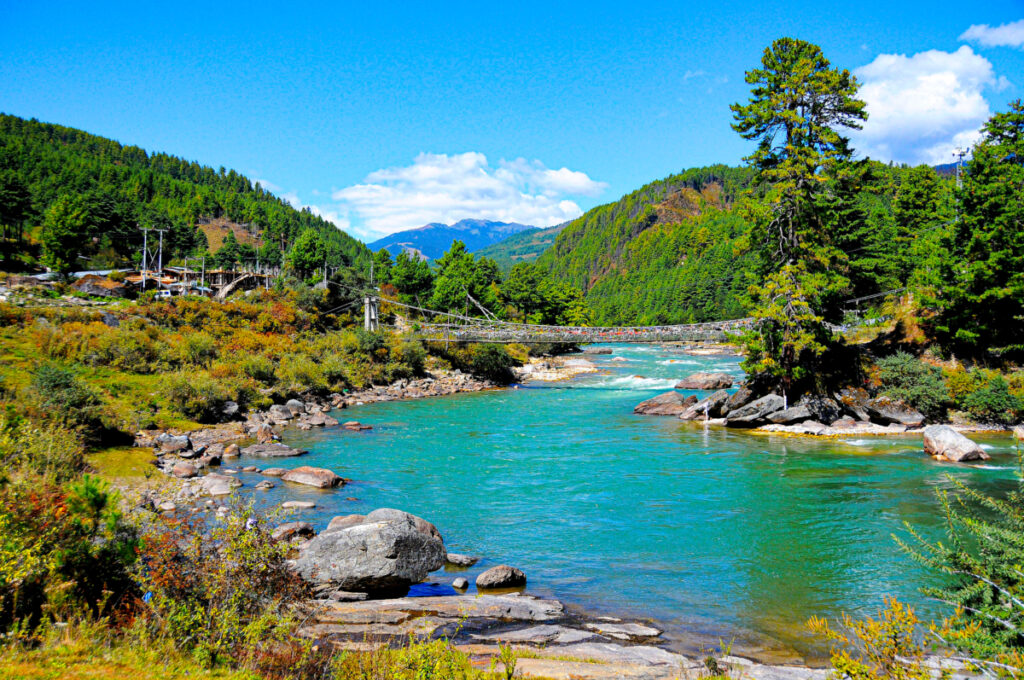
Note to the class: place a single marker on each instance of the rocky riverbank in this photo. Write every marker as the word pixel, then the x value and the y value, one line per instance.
pixel 554 369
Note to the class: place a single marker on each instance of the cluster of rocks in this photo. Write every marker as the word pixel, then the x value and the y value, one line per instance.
pixel 843 411
pixel 552 369
pixel 438 385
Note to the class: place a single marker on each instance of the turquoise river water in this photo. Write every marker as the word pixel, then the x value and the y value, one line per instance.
pixel 714 534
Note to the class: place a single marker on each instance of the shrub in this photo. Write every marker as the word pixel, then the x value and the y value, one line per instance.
pixel 198 396
pixel 492 362
pixel 63 551
pixel 197 349
pixel 299 373
pixel 54 453
pixel 993 403
pixel 914 382
pixel 259 368
pixel 219 591
pixel 886 648
pixel 63 397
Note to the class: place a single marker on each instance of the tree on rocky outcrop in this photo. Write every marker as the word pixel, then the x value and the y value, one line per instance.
pixel 798 105
pixel 981 301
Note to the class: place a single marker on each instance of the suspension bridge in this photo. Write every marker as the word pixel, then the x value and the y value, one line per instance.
pixel 429 324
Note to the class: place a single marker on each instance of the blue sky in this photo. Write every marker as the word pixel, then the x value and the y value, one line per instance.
pixel 383 116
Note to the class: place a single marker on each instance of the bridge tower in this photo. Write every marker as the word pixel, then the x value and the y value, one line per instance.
pixel 370 322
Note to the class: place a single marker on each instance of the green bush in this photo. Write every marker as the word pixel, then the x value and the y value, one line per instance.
pixel 63 397
pixel 492 362
pixel 259 368
pixel 64 552
pixel 992 402
pixel 198 396
pixel 197 349
pixel 54 453
pixel 914 382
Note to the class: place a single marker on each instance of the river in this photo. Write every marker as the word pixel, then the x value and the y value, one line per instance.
pixel 717 535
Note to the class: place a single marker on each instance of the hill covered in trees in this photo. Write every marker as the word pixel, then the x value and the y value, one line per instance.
pixel 526 246
pixel 678 250
pixel 72 200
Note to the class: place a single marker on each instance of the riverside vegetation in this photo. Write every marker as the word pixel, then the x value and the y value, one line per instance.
pixel 88 585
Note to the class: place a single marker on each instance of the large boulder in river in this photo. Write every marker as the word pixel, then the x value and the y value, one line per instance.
pixel 886 410
pixel 667 404
pixel 705 381
pixel 756 412
pixel 313 476
pixel 944 443
pixel 384 554
pixel 501 576
pixel 710 405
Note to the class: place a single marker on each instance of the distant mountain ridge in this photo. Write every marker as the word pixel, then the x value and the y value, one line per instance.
pixel 433 240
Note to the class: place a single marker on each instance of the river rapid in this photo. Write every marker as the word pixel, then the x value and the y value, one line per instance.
pixel 716 535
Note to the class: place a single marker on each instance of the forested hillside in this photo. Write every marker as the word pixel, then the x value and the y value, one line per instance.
pixel 678 250
pixel 525 246
pixel 73 200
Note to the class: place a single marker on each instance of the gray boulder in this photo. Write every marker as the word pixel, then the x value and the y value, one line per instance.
pixel 501 576
pixel 169 443
pixel 295 406
pixel 944 443
pixel 463 561
pixel 230 409
pixel 280 412
pixel 667 404
pixel 460 583
pixel 793 414
pixel 344 522
pixel 741 397
pixel 705 381
pixel 756 412
pixel 886 410
pixel 712 405
pixel 382 555
pixel 390 514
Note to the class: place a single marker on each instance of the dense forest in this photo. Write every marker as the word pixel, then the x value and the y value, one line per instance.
pixel 72 200
pixel 678 250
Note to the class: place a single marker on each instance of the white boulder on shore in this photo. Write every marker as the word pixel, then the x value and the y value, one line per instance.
pixel 942 442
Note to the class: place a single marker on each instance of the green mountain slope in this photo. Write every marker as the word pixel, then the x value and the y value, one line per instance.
pixel 666 253
pixel 526 246
pixel 113 190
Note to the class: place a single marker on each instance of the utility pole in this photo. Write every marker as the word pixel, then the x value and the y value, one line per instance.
pixel 960 152
pixel 145 256
pixel 160 259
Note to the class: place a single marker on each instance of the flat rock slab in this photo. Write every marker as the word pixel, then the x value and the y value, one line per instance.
pixel 499 607
pixel 541 635
pixel 639 655
pixel 564 669
pixel 624 631
pixel 272 450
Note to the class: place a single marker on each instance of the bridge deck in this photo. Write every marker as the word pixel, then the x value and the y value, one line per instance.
pixel 527 334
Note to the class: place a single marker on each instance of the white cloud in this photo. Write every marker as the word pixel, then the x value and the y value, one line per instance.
pixel 1007 35
pixel 921 107
pixel 447 188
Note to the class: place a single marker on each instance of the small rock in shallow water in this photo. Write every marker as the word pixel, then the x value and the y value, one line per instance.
pixel 274 472
pixel 250 468
pixel 460 583
pixel 231 451
pixel 501 576
pixel 464 561
pixel 265 485
pixel 298 505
